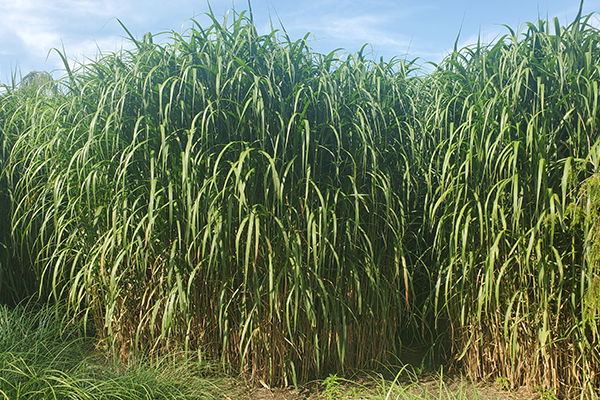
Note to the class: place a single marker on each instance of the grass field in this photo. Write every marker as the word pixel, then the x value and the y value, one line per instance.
pixel 291 215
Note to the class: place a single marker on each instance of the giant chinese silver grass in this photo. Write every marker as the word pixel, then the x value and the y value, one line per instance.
pixel 291 213
pixel 226 191
pixel 511 209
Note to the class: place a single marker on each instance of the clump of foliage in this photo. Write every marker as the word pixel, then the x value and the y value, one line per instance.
pixel 41 358
pixel 293 213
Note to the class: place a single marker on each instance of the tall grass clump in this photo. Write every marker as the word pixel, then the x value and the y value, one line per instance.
pixel 11 287
pixel 512 177
pixel 4 212
pixel 17 102
pixel 229 191
pixel 292 213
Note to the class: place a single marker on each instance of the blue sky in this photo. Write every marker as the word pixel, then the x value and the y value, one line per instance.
pixel 406 28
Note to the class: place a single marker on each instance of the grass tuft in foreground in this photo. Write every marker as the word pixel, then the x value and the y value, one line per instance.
pixel 40 359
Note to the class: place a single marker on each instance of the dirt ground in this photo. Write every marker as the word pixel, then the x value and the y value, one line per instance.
pixel 428 390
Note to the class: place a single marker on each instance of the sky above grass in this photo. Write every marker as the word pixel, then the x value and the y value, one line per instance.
pixel 407 28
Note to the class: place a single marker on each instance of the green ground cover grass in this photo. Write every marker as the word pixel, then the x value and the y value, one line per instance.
pixel 42 358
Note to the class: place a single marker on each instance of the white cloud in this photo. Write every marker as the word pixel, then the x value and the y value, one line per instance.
pixel 485 37
pixel 352 23
pixel 352 32
pixel 363 28
pixel 31 28
pixel 79 52
pixel 57 8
